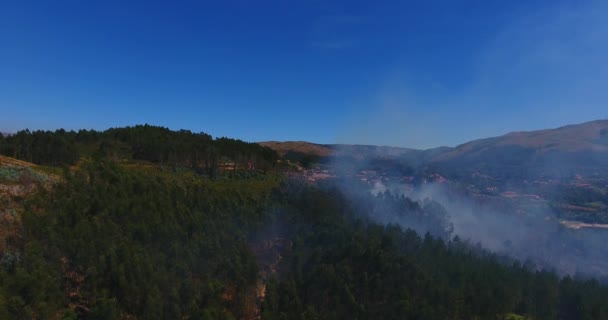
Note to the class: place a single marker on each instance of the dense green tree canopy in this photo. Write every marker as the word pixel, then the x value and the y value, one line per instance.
pixel 143 142
pixel 114 239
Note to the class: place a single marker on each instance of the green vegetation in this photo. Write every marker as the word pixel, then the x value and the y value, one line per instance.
pixel 156 145
pixel 348 268
pixel 9 173
pixel 14 174
pixel 581 204
pixel 174 233
pixel 112 240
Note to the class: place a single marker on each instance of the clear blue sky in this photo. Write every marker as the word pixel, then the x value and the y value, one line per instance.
pixel 404 73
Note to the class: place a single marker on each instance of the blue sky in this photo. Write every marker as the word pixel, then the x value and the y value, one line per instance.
pixel 402 73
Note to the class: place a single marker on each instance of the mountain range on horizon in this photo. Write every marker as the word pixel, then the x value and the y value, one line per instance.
pixel 590 134
pixel 576 145
pixel 560 152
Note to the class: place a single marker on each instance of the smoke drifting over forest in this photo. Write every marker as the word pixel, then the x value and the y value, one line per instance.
pixel 534 237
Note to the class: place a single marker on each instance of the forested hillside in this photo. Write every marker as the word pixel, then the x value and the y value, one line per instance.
pixel 158 145
pixel 148 223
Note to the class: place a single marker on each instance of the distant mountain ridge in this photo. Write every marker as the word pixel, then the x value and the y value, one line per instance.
pixel 567 150
pixel 325 150
pixel 588 136
pixel 578 145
